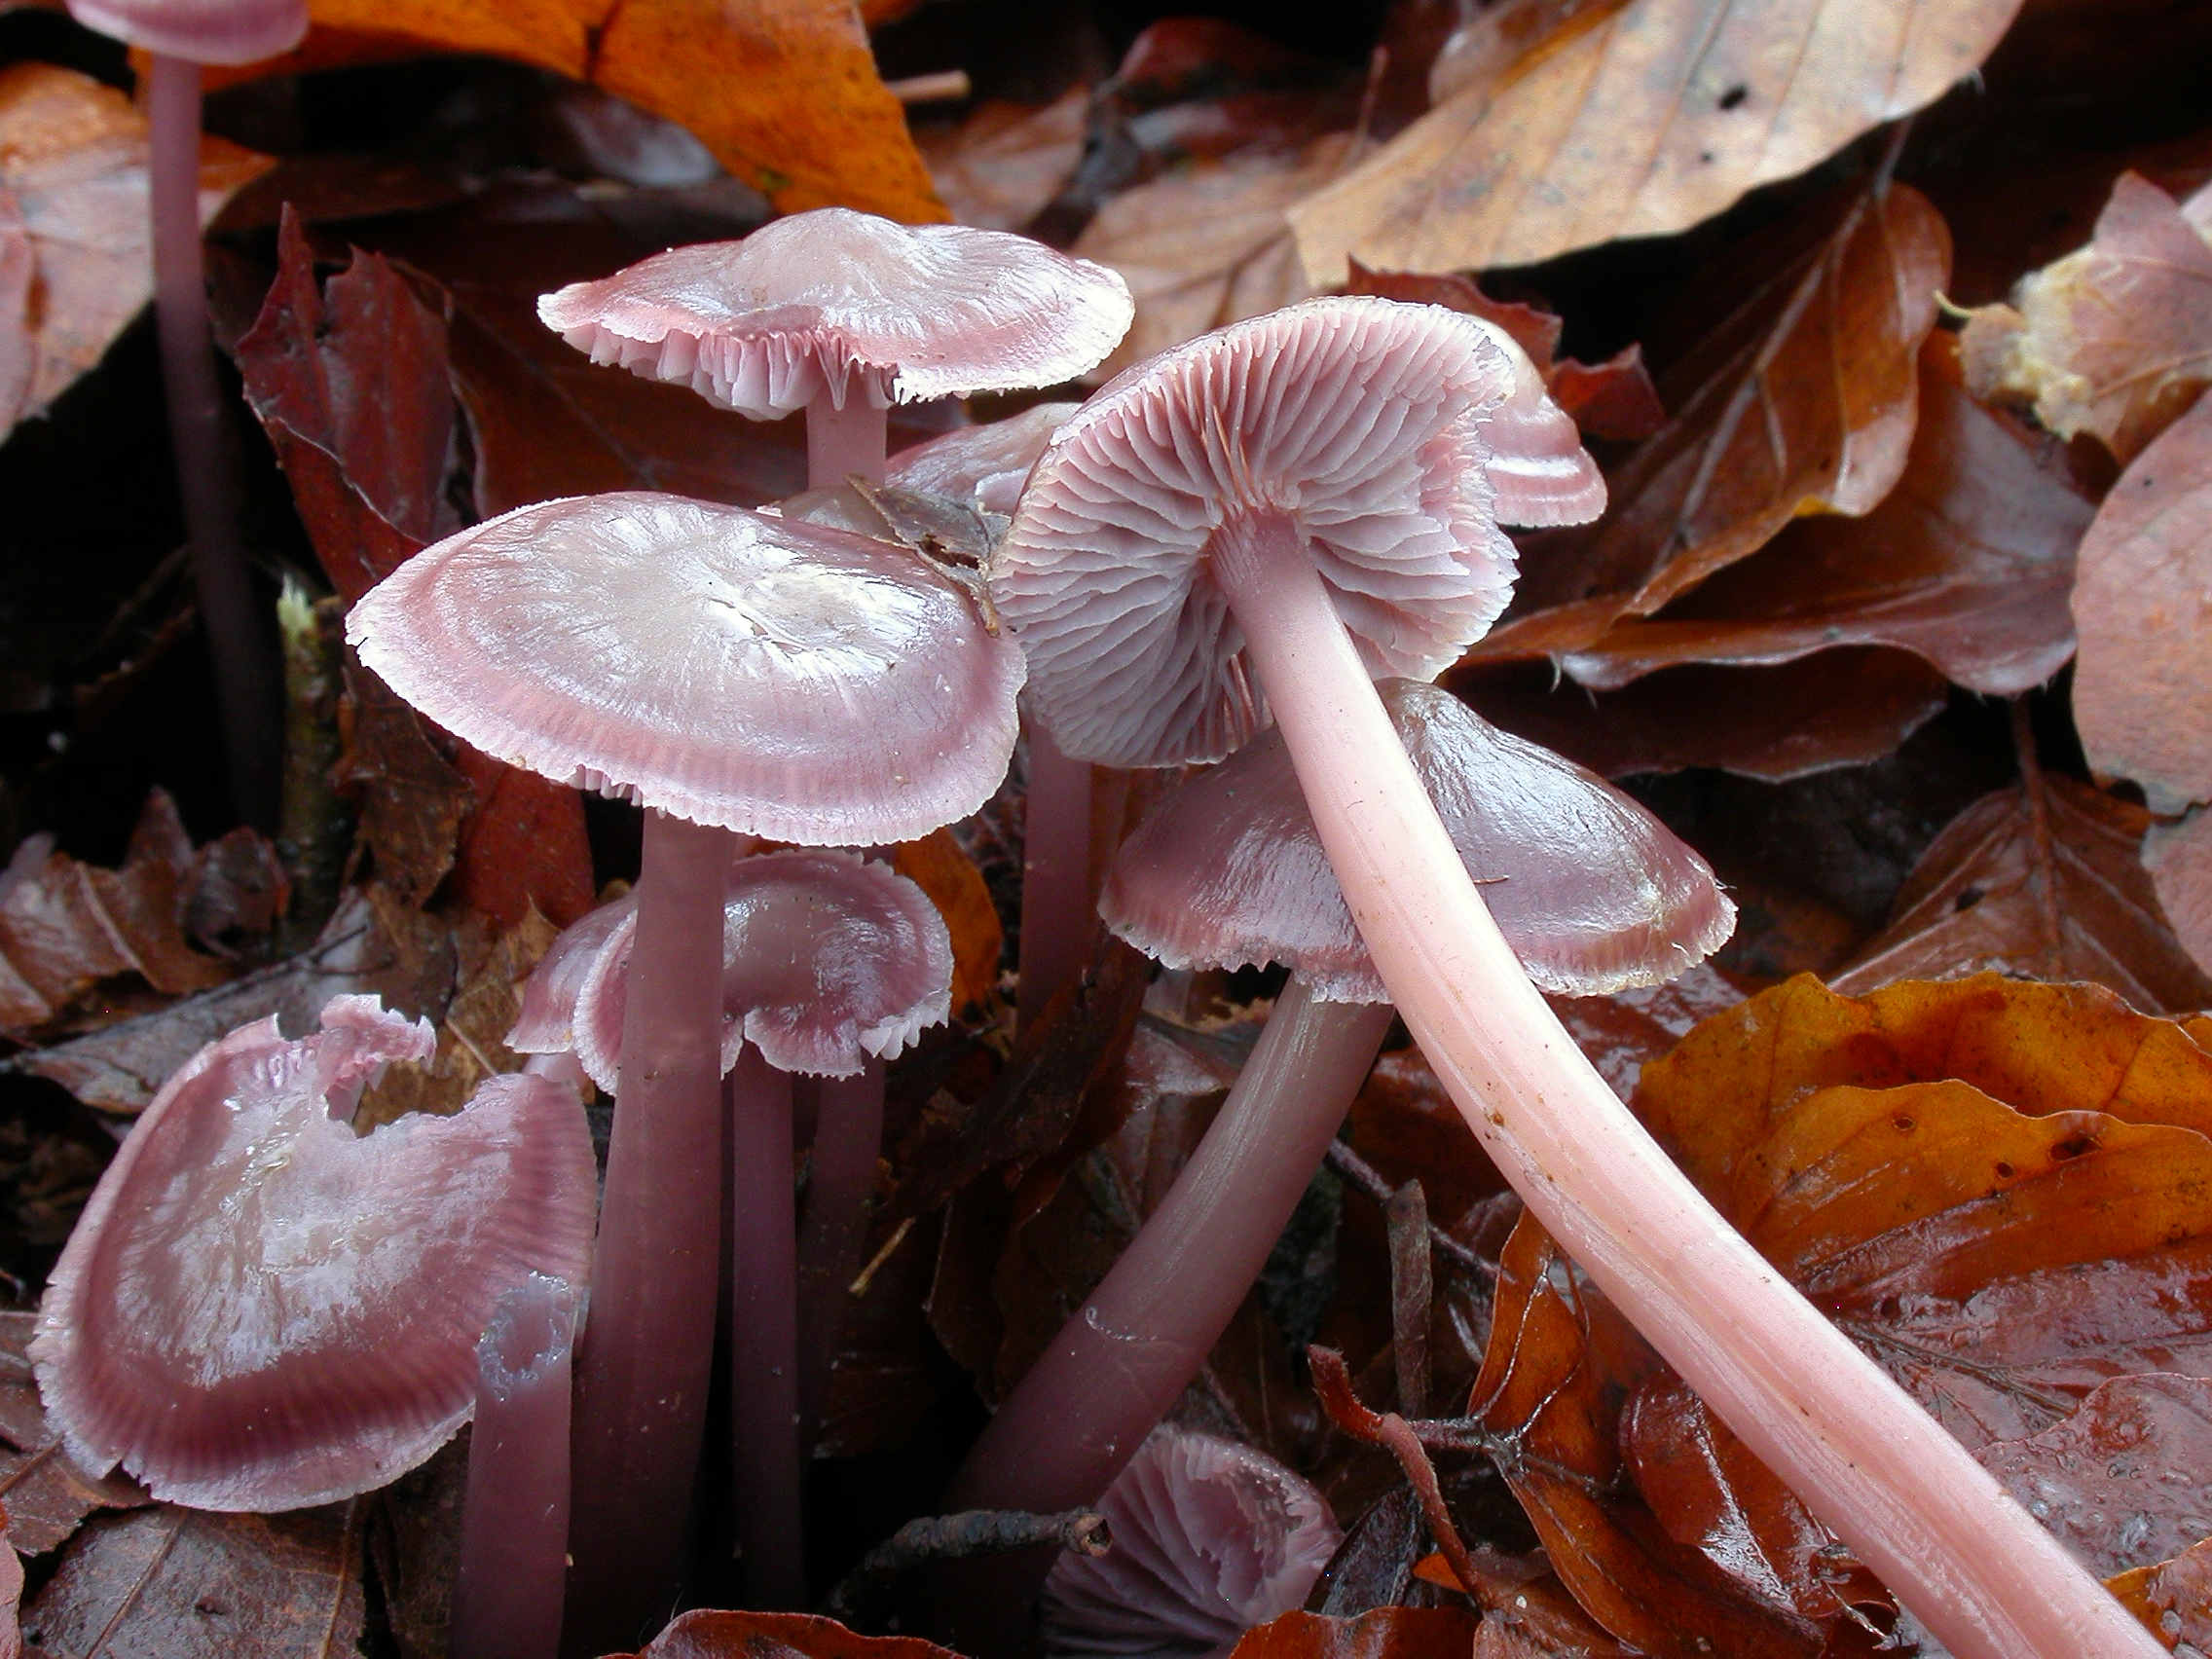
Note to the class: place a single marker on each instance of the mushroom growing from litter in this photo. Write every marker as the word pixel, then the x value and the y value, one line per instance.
pixel 262 1310
pixel 739 674
pixel 1259 520
pixel 181 36
pixel 1594 895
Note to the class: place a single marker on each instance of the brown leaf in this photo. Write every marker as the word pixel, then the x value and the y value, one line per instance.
pixel 1968 563
pixel 47 1495
pixel 411 800
pixel 1003 165
pixel 2066 901
pixel 889 1369
pixel 2179 858
pixel 188 1584
pixel 2114 339
pixel 2143 685
pixel 955 886
pixel 1386 1633
pixel 1657 117
pixel 73 151
pixel 709 1635
pixel 2174 1597
pixel 1801 401
pixel 1625 1032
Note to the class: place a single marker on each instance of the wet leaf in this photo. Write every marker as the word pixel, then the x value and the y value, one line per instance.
pixel 187 1584
pixel 1003 165
pixel 1386 1633
pixel 2143 687
pixel 2065 901
pixel 1803 400
pixel 955 886
pixel 889 1368
pixel 73 153
pixel 47 1495
pixel 2179 859
pixel 1658 115
pixel 411 797
pixel 2114 339
pixel 709 1635
pixel 1625 1032
pixel 2174 1597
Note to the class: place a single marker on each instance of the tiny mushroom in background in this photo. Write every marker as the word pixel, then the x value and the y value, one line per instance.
pixel 1210 1539
pixel 1260 521
pixel 739 674
pixel 180 36
pixel 262 1310
pixel 1594 895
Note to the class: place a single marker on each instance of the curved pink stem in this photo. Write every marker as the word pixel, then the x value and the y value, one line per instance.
pixel 1057 921
pixel 1121 1361
pixel 763 1360
pixel 840 1175
pixel 1908 1500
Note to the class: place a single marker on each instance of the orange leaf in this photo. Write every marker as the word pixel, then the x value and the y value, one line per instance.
pixel 940 868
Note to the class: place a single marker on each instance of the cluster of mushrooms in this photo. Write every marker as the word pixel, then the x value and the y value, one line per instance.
pixel 1256 549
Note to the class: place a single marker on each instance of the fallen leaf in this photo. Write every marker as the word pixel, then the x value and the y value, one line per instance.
pixel 47 1495
pixel 1386 1633
pixel 1968 563
pixel 73 151
pixel 2174 1598
pixel 2143 602
pixel 18 344
pixel 1803 400
pixel 1623 1033
pixel 1659 115
pixel 708 1635
pixel 1003 165
pixel 187 1584
pixel 955 886
pixel 889 1369
pixel 411 797
pixel 2114 339
pixel 2179 858
pixel 2067 900
pixel 1486 49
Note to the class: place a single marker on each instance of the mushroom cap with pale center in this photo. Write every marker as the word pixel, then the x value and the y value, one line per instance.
pixel 1386 434
pixel 769 675
pixel 1593 893
pixel 199 31
pixel 261 1310
pixel 849 306
pixel 828 960
pixel 1210 1539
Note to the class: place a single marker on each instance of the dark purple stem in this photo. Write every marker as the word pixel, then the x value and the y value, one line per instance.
pixel 514 1521
pixel 841 1176
pixel 763 1367
pixel 649 1349
pixel 240 638
pixel 1057 919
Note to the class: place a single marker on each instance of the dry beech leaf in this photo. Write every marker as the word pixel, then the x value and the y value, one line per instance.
pixel 2143 605
pixel 1386 1633
pixel 1968 563
pixel 2173 1598
pixel 1003 165
pixel 2062 899
pixel 47 1495
pixel 1486 49
pixel 2179 858
pixel 940 868
pixel 73 151
pixel 2114 339
pixel 1801 401
pixel 706 1634
pixel 1659 115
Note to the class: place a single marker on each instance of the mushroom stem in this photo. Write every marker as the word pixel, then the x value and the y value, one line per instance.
pixel 1905 1496
pixel 764 1362
pixel 514 1519
pixel 844 441
pixel 841 1176
pixel 648 1351
pixel 1111 1374
pixel 239 637
pixel 1057 919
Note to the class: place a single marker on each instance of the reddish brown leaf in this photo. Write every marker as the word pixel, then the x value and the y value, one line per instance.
pixel 940 868
pixel 1003 165
pixel 709 1634
pixel 1404 1124
pixel 1386 1633
pixel 411 797
pixel 2179 859
pixel 1625 1032
pixel 47 1495
pixel 889 1368
pixel 2174 1597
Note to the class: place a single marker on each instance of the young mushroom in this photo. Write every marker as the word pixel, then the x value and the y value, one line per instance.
pixel 262 1310
pixel 1260 520
pixel 740 676
pixel 180 36
pixel 1593 894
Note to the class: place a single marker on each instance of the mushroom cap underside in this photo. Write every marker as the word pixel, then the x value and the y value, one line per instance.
pixel 199 31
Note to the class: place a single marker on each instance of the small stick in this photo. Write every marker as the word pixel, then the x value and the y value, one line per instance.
pixel 956 1537
pixel 1406 1218
pixel 1369 1180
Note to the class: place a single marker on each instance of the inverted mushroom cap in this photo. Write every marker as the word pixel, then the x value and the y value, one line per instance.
pixel 828 960
pixel 261 1310
pixel 844 303
pixel 1210 1538
pixel 773 677
pixel 984 465
pixel 199 31
pixel 1593 893
pixel 1363 422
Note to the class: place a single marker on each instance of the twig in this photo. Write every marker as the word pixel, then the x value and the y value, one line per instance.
pixel 955 1537
pixel 1369 1180
pixel 1406 1219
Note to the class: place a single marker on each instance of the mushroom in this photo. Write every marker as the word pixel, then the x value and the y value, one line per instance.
pixel 263 1310
pixel 740 676
pixel 1262 519
pixel 1226 871
pixel 180 36
pixel 983 464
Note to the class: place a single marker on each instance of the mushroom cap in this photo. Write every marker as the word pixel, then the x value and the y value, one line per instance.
pixel 852 306
pixel 983 464
pixel 1210 1538
pixel 1593 893
pixel 199 31
pixel 782 679
pixel 261 1310
pixel 1380 430
pixel 826 960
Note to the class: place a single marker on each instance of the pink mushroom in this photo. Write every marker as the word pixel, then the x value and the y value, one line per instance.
pixel 1228 871
pixel 182 35
pixel 1263 519
pixel 263 1310
pixel 740 675
pixel 983 464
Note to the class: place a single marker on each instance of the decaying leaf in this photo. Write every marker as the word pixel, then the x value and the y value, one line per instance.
pixel 2114 339
pixel 47 1495
pixel 955 886
pixel 1002 165
pixel 1658 115
pixel 2173 1598
pixel 1625 1032
pixel 1386 1633
pixel 709 1634
pixel 73 153
pixel 2179 858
